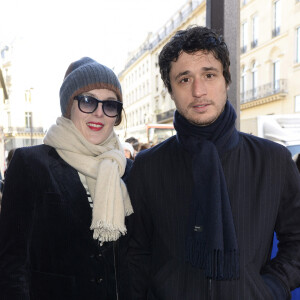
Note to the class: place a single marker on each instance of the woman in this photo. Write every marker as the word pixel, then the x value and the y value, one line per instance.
pixel 128 150
pixel 64 202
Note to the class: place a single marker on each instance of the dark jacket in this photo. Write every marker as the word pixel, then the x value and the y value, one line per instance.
pixel 46 246
pixel 264 190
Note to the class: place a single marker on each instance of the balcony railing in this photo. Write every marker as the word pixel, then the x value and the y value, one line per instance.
pixel 275 31
pixel 165 115
pixel 243 49
pixel 272 88
pixel 24 130
pixel 254 44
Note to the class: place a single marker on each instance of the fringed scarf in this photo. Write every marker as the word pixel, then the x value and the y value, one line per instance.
pixel 103 166
pixel 211 242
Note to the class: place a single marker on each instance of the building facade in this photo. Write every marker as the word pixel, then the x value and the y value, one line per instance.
pixel 20 120
pixel 146 100
pixel 270 59
pixel 269 74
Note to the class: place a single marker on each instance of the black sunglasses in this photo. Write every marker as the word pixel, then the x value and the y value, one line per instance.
pixel 88 104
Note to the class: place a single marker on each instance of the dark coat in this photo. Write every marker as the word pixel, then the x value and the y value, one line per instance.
pixel 46 246
pixel 264 190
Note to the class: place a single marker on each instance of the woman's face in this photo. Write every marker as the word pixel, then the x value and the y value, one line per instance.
pixel 96 126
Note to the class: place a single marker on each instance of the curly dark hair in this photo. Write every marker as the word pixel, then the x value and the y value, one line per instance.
pixel 193 39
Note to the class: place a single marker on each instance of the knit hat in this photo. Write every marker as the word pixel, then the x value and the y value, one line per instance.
pixel 85 75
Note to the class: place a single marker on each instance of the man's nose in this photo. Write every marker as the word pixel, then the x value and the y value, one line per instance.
pixel 199 88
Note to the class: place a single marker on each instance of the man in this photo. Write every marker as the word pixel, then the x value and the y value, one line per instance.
pixel 207 200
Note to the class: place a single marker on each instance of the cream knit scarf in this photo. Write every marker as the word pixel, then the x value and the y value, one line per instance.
pixel 103 166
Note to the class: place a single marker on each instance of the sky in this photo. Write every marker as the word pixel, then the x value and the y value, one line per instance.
pixel 55 33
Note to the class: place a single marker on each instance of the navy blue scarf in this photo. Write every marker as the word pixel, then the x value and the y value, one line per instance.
pixel 211 242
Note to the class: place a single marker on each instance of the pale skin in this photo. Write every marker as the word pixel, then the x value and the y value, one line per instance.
pixel 127 153
pixel 199 88
pixel 95 127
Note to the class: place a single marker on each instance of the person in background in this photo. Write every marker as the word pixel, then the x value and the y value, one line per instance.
pixel 1 183
pixel 128 150
pixel 296 159
pixel 65 202
pixel 9 158
pixel 207 200
pixel 144 146
pixel 135 144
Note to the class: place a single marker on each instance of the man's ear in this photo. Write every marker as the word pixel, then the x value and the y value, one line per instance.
pixel 172 97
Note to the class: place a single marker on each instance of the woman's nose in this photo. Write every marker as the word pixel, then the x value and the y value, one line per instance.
pixel 99 111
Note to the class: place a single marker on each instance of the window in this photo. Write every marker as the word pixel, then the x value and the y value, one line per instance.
pixel 156 83
pixel 276 76
pixel 297 103
pixel 254 32
pixel 254 80
pixel 140 116
pixel 243 85
pixel 298 46
pixel 28 96
pixel 277 18
pixel 28 120
pixel 244 37
pixel 8 119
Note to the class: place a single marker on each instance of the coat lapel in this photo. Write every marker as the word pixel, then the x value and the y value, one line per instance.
pixel 69 186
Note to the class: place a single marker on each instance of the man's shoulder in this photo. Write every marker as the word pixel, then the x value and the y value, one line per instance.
pixel 159 149
pixel 258 142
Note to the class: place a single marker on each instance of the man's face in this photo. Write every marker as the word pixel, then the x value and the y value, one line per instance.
pixel 198 87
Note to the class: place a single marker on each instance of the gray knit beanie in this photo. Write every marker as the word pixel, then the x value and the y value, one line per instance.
pixel 85 75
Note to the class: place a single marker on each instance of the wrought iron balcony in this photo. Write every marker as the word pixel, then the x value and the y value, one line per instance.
pixel 270 89
pixel 23 130
pixel 244 49
pixel 275 31
pixel 254 44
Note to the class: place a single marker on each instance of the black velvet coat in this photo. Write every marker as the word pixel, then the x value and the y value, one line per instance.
pixel 46 246
pixel 264 191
